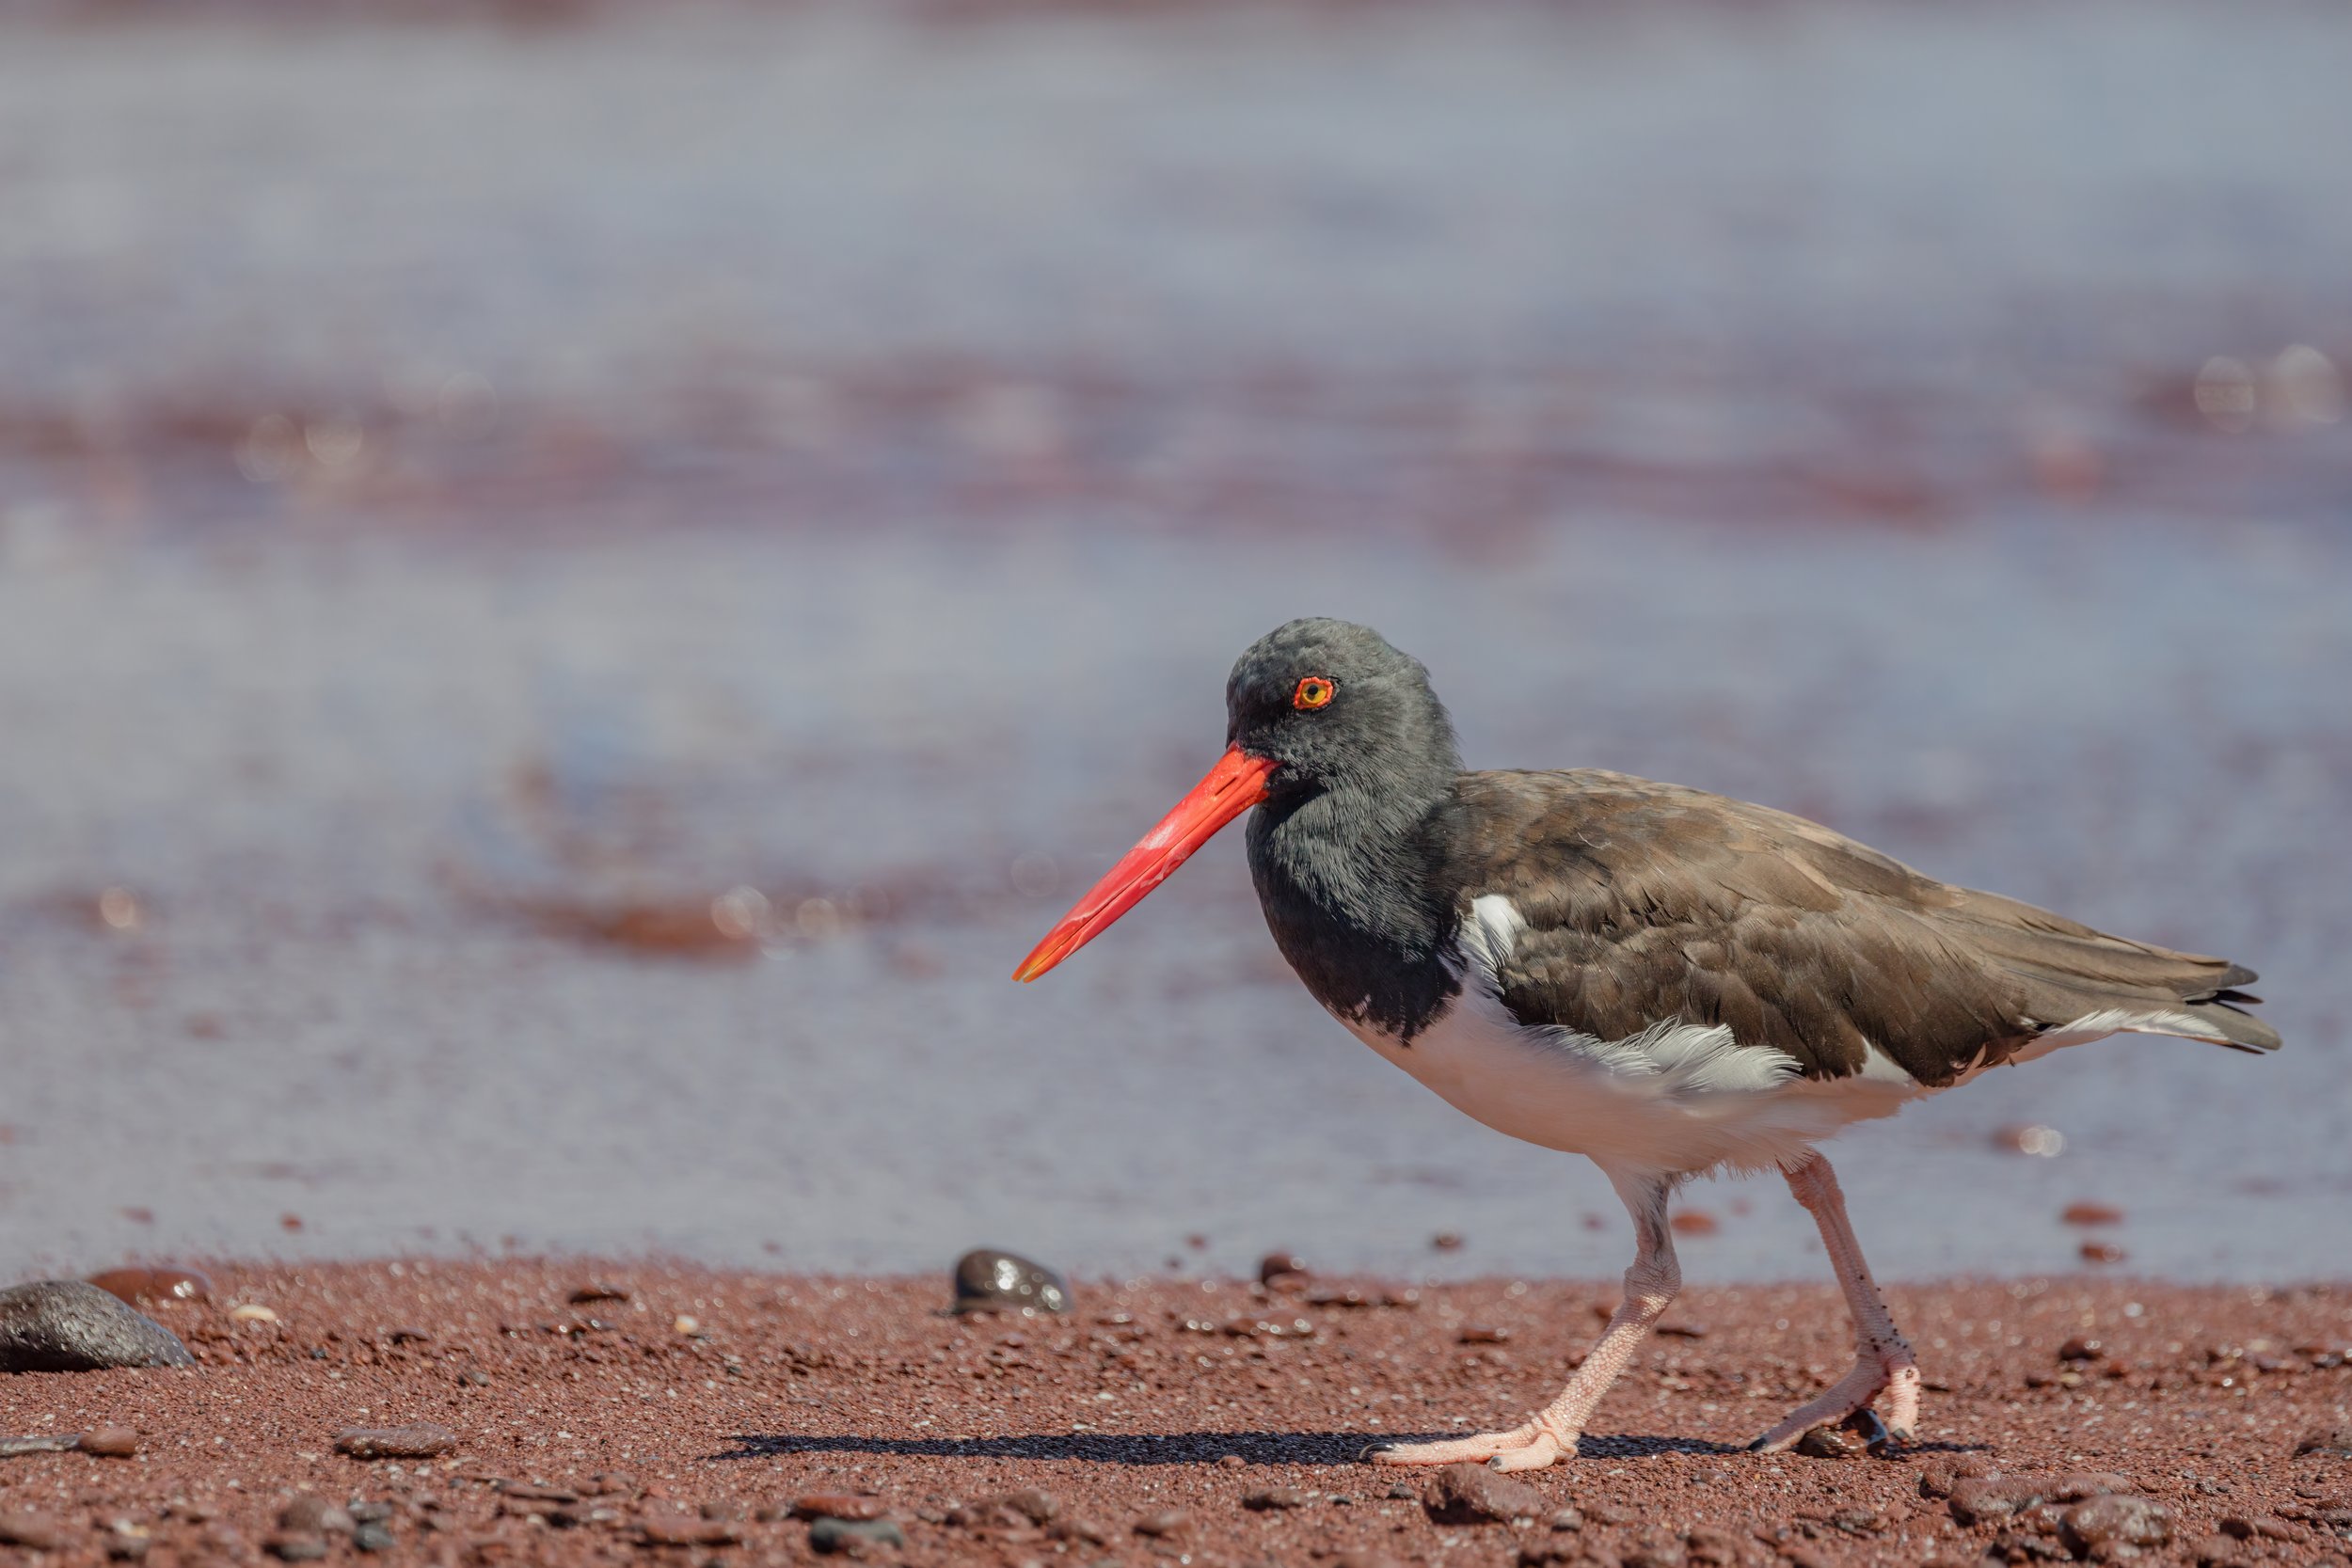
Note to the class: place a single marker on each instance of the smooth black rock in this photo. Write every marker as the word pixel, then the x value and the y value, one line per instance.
pixel 64 1325
pixel 992 1282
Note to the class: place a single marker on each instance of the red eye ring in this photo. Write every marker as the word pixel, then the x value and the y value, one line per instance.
pixel 1313 691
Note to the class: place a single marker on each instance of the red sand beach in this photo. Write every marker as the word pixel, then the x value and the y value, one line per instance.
pixel 1191 1421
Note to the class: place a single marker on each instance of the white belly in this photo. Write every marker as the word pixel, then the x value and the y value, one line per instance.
pixel 1675 1099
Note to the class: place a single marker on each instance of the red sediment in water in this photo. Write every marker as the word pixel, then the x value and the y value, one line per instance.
pixel 2102 1252
pixel 2091 1214
pixel 807 1399
pixel 1695 1222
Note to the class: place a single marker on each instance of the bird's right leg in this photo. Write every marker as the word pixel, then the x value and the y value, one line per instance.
pixel 1650 1285
pixel 1884 1365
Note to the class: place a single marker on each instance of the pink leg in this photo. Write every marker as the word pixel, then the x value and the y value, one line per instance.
pixel 1882 1358
pixel 1552 1434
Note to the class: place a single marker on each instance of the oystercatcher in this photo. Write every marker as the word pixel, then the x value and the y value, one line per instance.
pixel 1667 981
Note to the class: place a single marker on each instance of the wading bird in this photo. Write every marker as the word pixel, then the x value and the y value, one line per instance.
pixel 1667 981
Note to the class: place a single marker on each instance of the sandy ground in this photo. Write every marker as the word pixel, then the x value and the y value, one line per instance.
pixel 700 1406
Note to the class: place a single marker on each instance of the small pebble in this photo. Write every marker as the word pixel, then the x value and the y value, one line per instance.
pixel 1281 1267
pixel 12 1448
pixel 2261 1527
pixel 686 1324
pixel 252 1312
pixel 1275 1499
pixel 155 1284
pixel 1485 1335
pixel 2115 1525
pixel 597 1290
pixel 1473 1495
pixel 1230 1460
pixel 1938 1475
pixel 987 1281
pixel 31 1532
pixel 110 1441
pixel 1832 1443
pixel 372 1538
pixel 841 1535
pixel 68 1326
pixel 2335 1442
pixel 294 1548
pixel 679 1530
pixel 2081 1349
pixel 420 1440
pixel 1167 1522
pixel 836 1505
pixel 309 1514
pixel 1977 1499
pixel 1035 1505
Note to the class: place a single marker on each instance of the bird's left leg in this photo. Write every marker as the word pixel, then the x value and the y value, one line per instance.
pixel 1650 1284
pixel 1882 1358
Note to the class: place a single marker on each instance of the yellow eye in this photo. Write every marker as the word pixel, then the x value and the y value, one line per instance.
pixel 1313 692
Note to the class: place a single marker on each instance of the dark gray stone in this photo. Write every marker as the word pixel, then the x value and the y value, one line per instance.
pixel 987 1281
pixel 372 1538
pixel 840 1535
pixel 65 1325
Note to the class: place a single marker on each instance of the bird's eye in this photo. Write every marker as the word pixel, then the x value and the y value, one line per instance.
pixel 1313 691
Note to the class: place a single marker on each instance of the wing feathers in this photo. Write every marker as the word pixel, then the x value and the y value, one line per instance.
pixel 1645 902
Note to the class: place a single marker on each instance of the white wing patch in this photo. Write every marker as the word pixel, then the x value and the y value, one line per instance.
pixel 1675 1096
pixel 1680 1059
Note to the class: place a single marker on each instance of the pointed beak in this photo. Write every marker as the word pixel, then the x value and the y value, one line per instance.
pixel 1234 785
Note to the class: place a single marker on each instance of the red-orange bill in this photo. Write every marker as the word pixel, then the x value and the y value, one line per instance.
pixel 1232 787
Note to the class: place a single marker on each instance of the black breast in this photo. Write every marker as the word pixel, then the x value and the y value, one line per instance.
pixel 1359 909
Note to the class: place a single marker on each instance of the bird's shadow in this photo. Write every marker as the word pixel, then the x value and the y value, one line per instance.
pixel 1330 1448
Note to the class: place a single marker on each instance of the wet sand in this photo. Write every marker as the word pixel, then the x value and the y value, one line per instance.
pixel 696 1408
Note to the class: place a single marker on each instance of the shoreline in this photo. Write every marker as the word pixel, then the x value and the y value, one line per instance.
pixel 692 1410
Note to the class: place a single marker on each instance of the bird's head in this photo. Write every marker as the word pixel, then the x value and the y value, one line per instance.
pixel 1312 706
pixel 1329 705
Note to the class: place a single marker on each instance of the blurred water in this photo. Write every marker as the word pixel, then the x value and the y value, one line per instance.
pixel 472 496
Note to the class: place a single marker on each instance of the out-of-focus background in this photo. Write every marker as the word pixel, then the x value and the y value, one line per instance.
pixel 578 583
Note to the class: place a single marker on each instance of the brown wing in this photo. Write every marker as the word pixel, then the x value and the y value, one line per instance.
pixel 1646 902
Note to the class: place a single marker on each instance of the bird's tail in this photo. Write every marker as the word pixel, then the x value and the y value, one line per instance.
pixel 2082 983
